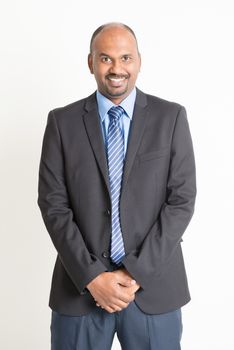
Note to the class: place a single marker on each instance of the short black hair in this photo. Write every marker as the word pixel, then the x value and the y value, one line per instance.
pixel 103 26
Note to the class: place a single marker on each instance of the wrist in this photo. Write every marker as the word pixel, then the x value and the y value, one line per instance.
pixel 93 281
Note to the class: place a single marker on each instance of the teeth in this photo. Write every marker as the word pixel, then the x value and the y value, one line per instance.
pixel 116 79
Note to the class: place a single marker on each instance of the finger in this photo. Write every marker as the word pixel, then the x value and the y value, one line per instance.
pixel 117 309
pixel 133 289
pixel 102 307
pixel 124 279
pixel 127 282
pixel 126 295
pixel 109 309
pixel 118 304
pixel 124 300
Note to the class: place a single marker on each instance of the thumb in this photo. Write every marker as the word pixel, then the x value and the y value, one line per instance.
pixel 126 281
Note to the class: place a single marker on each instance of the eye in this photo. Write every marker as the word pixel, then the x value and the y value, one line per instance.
pixel 105 59
pixel 126 58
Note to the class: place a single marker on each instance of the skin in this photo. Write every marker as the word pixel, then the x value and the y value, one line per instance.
pixel 115 62
pixel 113 291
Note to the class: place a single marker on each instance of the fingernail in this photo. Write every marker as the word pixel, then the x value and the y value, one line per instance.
pixel 133 282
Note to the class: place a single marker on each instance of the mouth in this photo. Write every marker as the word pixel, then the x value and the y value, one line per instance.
pixel 117 80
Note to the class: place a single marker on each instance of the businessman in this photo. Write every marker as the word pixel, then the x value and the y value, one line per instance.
pixel 116 192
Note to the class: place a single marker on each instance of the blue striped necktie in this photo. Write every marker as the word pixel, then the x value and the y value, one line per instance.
pixel 115 154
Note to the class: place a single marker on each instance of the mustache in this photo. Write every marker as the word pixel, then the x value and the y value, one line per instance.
pixel 117 76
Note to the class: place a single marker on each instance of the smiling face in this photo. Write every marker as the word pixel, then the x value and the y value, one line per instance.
pixel 115 62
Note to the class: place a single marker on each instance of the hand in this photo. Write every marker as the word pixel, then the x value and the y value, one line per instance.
pixel 124 273
pixel 113 291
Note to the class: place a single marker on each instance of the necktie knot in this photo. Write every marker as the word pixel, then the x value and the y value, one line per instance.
pixel 115 113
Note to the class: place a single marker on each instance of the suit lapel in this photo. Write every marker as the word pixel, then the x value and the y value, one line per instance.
pixel 94 132
pixel 136 133
pixel 93 128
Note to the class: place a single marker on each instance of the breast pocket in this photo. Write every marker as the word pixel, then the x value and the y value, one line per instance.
pixel 143 157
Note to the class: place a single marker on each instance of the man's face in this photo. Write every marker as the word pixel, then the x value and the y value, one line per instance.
pixel 115 62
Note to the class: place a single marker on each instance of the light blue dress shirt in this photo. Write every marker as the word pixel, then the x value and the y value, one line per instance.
pixel 104 104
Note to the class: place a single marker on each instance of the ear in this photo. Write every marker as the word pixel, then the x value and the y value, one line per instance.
pixel 90 63
pixel 139 61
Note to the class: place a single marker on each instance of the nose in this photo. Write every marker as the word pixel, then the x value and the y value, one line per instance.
pixel 116 67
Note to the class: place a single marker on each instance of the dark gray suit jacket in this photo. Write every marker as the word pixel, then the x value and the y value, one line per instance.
pixel 157 202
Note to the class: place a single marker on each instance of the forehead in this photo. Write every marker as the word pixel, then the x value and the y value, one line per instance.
pixel 115 39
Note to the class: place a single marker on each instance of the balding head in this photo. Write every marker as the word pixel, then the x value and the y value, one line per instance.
pixel 108 26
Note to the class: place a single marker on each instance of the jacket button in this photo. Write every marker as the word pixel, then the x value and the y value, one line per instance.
pixel 83 292
pixel 106 254
pixel 108 212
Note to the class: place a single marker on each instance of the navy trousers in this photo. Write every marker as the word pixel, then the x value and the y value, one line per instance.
pixel 135 330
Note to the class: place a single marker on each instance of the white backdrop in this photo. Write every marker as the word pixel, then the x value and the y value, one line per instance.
pixel 187 57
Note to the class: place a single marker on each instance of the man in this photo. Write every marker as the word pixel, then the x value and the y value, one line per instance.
pixel 116 192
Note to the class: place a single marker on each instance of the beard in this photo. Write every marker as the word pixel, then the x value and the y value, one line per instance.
pixel 119 93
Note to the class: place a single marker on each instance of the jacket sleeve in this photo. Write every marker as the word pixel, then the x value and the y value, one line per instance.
pixel 166 234
pixel 57 213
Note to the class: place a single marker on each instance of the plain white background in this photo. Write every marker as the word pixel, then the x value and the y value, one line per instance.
pixel 187 57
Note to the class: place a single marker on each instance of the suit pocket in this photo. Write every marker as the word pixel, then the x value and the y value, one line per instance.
pixel 154 154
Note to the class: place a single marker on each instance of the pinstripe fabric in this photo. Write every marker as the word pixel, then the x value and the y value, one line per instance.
pixel 115 155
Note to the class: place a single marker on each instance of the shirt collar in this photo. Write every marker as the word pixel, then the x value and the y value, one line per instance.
pixel 104 104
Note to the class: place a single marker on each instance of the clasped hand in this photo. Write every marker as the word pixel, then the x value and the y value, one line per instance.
pixel 113 291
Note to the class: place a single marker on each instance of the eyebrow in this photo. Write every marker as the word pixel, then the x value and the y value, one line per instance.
pixel 105 54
